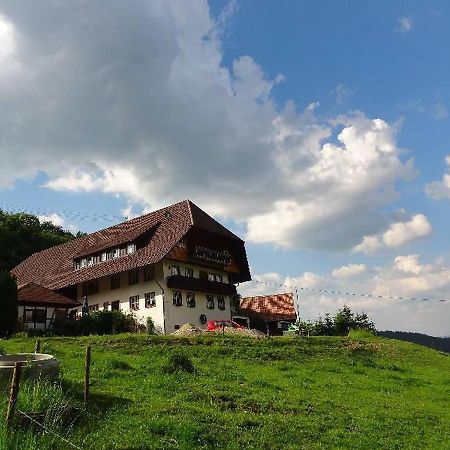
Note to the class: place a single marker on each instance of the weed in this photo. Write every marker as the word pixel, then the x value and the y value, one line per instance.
pixel 178 361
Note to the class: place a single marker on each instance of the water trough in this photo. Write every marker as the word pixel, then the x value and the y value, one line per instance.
pixel 35 365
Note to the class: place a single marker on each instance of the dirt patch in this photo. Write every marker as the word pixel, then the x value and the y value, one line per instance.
pixel 188 330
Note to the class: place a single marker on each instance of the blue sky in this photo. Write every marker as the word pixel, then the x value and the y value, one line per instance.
pixel 318 131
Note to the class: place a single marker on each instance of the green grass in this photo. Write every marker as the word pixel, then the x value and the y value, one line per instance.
pixel 361 392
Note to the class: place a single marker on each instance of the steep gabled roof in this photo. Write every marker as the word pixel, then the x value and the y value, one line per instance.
pixel 54 267
pixel 36 295
pixel 274 307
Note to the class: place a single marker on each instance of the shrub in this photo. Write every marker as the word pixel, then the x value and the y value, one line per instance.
pixel 2 351
pixel 99 322
pixel 178 362
pixel 150 326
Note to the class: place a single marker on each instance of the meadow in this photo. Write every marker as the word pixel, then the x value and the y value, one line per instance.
pixel 162 392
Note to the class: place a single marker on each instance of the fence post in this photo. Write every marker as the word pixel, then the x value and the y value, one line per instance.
pixel 37 346
pixel 87 369
pixel 13 393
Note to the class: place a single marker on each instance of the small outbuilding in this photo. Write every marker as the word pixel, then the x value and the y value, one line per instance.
pixel 271 314
pixel 38 306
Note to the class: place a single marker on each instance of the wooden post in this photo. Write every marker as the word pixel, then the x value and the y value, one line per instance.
pixel 223 328
pixel 14 392
pixel 87 369
pixel 37 346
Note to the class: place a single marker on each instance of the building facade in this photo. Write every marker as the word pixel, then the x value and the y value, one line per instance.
pixel 175 265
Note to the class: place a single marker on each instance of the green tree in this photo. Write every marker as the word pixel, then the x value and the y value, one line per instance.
pixel 21 235
pixel 343 321
pixel 8 303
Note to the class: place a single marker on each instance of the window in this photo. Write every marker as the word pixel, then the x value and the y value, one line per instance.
pixel 106 305
pixel 177 298
pixel 134 302
pixel 40 315
pixel 133 277
pixel 149 273
pixel 175 270
pixel 190 300
pixel 211 277
pixel 210 301
pixel 29 315
pixel 104 256
pixel 218 277
pixel 150 300
pixel 188 272
pixel 203 275
pixel 221 303
pixel 116 253
pixel 115 306
pixel 115 281
pixel 90 288
pixel 131 248
pixel 93 308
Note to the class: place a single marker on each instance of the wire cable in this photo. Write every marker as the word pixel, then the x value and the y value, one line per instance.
pixel 354 294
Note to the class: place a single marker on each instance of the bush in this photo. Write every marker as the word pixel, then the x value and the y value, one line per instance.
pixel 178 362
pixel 2 351
pixel 339 325
pixel 99 322
pixel 150 326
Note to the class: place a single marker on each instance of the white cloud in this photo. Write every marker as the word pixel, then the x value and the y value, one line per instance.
pixel 403 232
pixel 146 109
pixel 350 270
pixel 54 218
pixel 397 234
pixel 7 40
pixel 438 190
pixel 406 277
pixel 404 25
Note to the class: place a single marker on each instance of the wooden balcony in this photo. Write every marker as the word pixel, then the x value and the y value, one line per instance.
pixel 197 285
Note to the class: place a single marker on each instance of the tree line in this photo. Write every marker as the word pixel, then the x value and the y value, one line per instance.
pixel 21 235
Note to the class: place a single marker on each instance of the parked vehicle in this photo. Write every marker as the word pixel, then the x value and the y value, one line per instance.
pixel 217 325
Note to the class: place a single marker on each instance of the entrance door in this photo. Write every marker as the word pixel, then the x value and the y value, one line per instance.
pixel 115 306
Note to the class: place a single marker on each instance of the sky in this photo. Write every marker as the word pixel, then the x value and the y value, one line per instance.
pixel 317 131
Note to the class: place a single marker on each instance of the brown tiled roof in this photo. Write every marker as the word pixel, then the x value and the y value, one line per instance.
pixel 34 294
pixel 54 267
pixel 274 307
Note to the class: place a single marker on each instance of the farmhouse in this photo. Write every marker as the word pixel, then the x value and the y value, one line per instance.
pixel 175 265
pixel 269 313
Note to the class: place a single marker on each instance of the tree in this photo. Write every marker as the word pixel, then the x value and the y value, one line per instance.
pixel 8 304
pixel 21 235
pixel 343 321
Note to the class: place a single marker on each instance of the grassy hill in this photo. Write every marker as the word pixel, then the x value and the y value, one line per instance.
pixel 277 393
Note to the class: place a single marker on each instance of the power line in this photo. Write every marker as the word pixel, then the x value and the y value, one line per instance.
pixel 353 294
pixel 69 214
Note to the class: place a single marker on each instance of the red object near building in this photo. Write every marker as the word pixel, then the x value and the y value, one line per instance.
pixel 217 325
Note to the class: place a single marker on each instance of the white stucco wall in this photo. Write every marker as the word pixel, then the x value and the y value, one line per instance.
pixel 179 315
pixel 165 315
pixel 123 294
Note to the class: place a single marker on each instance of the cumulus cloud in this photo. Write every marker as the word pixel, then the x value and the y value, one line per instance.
pixel 133 99
pixel 54 218
pixel 404 25
pixel 349 270
pixel 406 276
pixel 438 190
pixel 398 233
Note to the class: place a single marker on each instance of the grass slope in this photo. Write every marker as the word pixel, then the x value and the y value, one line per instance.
pixel 290 393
